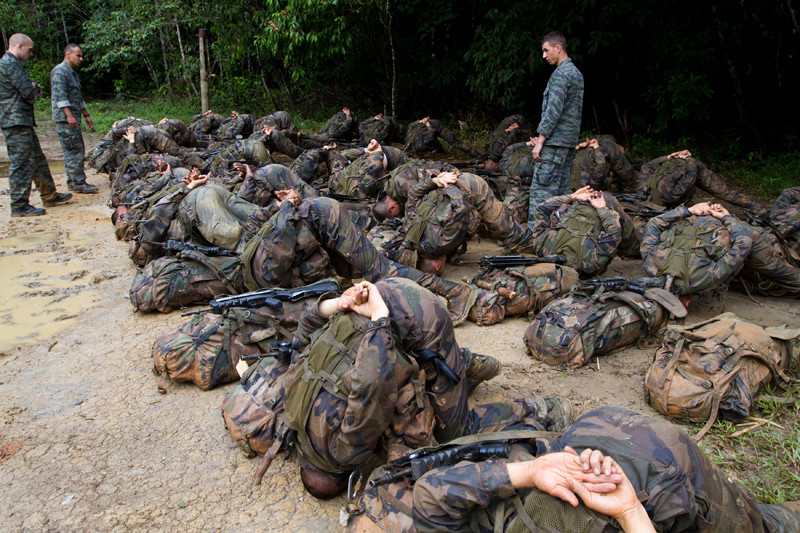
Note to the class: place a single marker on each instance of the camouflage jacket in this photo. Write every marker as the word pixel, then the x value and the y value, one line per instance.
pixel 382 129
pixel 261 186
pixel 604 168
pixel 409 174
pixel 179 132
pixel 341 126
pixel 65 91
pixel 718 253
pixel 360 177
pixel 421 137
pixel 562 105
pixel 233 127
pixel 499 139
pixel 205 125
pixel 117 131
pixel 312 164
pixel 279 120
pixel 17 94
pixel 785 215
pixel 597 243
pixel 346 431
pixel 684 491
pixel 517 160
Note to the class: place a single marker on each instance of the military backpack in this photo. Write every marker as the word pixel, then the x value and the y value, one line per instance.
pixel 717 366
pixel 442 222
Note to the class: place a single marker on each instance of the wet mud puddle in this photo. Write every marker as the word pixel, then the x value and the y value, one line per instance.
pixel 41 290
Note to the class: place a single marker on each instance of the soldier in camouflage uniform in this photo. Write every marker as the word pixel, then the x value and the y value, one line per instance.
pixel 150 139
pixel 359 172
pixel 562 104
pixel 601 163
pixel 261 187
pixel 314 164
pixel 587 227
pixel 279 120
pixel 287 250
pixel 17 95
pixel 682 489
pixel 205 124
pixel 249 151
pixel 276 141
pixel 423 136
pixel 67 108
pixel 105 157
pixel 236 126
pixel 672 180
pixel 785 216
pixel 703 246
pixel 180 132
pixel 381 128
pixel 511 130
pixel 343 126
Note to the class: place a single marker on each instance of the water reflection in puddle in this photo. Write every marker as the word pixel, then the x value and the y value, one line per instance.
pixel 41 292
pixel 56 167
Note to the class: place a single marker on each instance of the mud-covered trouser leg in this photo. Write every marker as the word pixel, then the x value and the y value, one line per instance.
pixel 498 220
pixel 550 177
pixel 74 152
pixel 777 277
pixel 27 163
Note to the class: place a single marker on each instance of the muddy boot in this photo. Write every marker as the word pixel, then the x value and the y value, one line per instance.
pixel 559 413
pixel 480 367
pixel 57 198
pixel 460 298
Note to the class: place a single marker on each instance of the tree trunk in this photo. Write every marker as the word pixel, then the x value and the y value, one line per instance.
pixel 150 69
pixel 164 58
pixel 264 83
pixel 793 13
pixel 64 24
pixel 204 104
pixel 187 79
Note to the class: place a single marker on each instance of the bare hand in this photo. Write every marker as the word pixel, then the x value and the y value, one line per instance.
pixel 373 146
pixel 289 194
pixel 267 129
pixel 597 199
pixel 364 299
pixel 243 170
pixel 89 122
pixel 682 154
pixel 208 113
pixel 445 179
pixel 512 127
pixel 162 121
pixel 701 209
pixel 583 194
pixel 72 122
pixel 194 181
pixel 717 211
pixel 130 134
pixel 163 167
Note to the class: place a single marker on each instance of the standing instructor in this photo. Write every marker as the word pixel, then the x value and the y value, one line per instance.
pixel 17 95
pixel 560 126
pixel 68 106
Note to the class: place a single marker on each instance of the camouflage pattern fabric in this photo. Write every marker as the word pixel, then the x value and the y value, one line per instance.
pixel 65 91
pixel 518 290
pixel 701 252
pixel 74 152
pixel 383 129
pixel 279 120
pixel 586 236
pixel 250 151
pixel 769 268
pixel 27 164
pixel 388 241
pixel 421 138
pixel 408 174
pixel 205 125
pixel 136 166
pixel 17 93
pixel 215 216
pixel 361 178
pixel 260 188
pixel 550 176
pixel 180 132
pixel 517 160
pixel 562 105
pixel 313 165
pixel 500 139
pixel 685 491
pixel 785 215
pixel 517 200
pixel 237 127
pixel 151 139
pixel 277 141
pixel 716 367
pixel 577 327
pixel 340 127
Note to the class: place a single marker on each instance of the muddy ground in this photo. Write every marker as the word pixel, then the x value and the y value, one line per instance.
pixel 88 443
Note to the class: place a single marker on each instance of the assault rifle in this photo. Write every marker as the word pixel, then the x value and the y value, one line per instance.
pixel 271 298
pixel 173 247
pixel 344 197
pixel 416 464
pixel 629 197
pixel 622 284
pixel 505 261
pixel 644 213
pixel 280 350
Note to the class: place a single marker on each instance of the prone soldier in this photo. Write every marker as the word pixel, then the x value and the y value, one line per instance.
pixel 423 136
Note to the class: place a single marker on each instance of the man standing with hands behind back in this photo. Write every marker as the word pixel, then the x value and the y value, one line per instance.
pixel 560 126
pixel 17 95
pixel 68 106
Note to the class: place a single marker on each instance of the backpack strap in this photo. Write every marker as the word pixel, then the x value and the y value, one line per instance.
pixel 225 278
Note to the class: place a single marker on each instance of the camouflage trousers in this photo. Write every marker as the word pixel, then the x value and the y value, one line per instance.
pixel 279 142
pixel 74 152
pixel 551 177
pixel 766 271
pixel 498 221
pixel 27 164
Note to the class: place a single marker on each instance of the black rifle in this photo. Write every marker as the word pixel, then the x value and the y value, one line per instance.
pixel 622 284
pixel 344 197
pixel 173 247
pixel 629 197
pixel 644 213
pixel 280 350
pixel 418 463
pixel 505 261
pixel 271 298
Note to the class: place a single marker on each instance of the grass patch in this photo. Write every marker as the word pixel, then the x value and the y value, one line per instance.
pixel 765 460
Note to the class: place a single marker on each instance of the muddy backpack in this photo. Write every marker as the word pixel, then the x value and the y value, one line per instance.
pixel 331 353
pixel 206 350
pixel 443 220
pixel 717 366
pixel 187 278
pixel 580 224
pixel 573 329
pixel 673 182
pixel 518 290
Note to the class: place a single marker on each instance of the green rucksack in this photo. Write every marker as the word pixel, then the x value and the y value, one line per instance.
pixel 582 223
pixel 443 220
pixel 673 182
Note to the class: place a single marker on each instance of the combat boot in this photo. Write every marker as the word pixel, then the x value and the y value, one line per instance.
pixel 560 413
pixel 83 188
pixel 28 211
pixel 480 367
pixel 460 298
pixel 57 198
